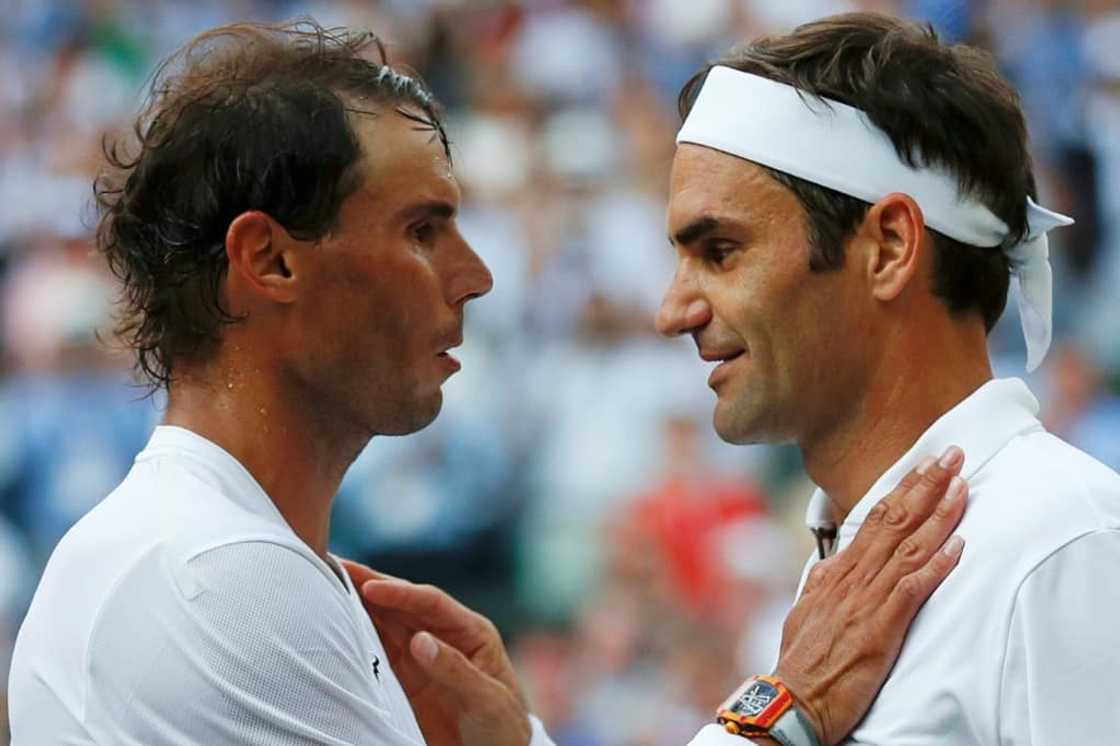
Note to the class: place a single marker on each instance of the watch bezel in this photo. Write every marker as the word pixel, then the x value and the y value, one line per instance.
pixel 735 715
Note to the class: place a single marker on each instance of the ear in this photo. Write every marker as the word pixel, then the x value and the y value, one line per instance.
pixel 258 248
pixel 894 233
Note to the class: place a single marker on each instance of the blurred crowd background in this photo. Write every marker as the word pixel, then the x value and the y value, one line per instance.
pixel 572 489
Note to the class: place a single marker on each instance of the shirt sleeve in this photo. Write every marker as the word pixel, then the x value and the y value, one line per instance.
pixel 714 735
pixel 248 643
pixel 539 737
pixel 1060 683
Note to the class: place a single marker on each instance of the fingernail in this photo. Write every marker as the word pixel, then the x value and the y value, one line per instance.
pixel 957 488
pixel 951 457
pixel 424 647
pixel 954 546
pixel 927 462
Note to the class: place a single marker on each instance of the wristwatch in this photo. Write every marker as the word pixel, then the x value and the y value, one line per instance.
pixel 763 706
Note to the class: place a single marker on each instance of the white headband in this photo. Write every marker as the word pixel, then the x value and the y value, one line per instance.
pixel 836 146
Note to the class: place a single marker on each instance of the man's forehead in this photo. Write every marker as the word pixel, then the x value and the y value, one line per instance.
pixel 386 133
pixel 402 156
pixel 695 165
pixel 704 179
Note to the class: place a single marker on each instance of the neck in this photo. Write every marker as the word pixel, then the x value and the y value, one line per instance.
pixel 915 381
pixel 297 456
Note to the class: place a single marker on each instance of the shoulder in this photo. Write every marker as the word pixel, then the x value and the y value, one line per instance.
pixel 1035 497
pixel 1058 683
pixel 161 508
pixel 1038 494
pixel 1073 583
pixel 251 591
pixel 234 628
pixel 247 642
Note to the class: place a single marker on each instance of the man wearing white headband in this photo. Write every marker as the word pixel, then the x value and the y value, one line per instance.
pixel 849 204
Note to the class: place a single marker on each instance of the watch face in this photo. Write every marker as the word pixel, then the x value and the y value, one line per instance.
pixel 755 699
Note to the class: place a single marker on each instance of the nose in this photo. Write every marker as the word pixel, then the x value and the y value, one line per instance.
pixel 683 309
pixel 473 279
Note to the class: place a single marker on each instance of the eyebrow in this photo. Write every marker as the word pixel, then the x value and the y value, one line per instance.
pixel 695 230
pixel 433 209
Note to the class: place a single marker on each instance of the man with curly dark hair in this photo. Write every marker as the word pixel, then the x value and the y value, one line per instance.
pixel 284 229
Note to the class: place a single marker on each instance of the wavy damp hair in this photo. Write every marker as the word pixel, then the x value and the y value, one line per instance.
pixel 242 117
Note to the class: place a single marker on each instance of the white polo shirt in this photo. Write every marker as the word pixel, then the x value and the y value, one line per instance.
pixel 1021 644
pixel 184 610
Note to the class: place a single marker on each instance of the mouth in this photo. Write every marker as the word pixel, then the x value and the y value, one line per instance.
pixel 724 361
pixel 449 360
pixel 445 357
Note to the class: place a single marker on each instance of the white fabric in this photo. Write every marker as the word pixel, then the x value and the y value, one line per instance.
pixel 184 610
pixel 1018 647
pixel 829 143
pixel 538 735
pixel 1003 653
pixel 1031 267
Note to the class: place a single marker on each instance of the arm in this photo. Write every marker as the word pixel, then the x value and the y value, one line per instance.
pixel 845 632
pixel 838 645
pixel 1059 682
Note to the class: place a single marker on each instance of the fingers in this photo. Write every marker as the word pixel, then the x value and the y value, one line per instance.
pixel 426 607
pixel 914 589
pixel 359 573
pixel 414 598
pixel 898 515
pixel 915 550
pixel 395 633
pixel 448 667
pixel 490 713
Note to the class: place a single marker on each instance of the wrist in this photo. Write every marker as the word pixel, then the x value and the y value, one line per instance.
pixel 764 710
pixel 804 696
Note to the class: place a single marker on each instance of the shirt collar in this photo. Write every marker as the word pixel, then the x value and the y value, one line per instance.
pixel 981 425
pixel 222 470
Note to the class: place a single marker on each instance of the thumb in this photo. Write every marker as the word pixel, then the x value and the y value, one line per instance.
pixel 448 668
pixel 488 712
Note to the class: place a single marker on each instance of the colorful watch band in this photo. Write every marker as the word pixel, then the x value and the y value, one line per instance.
pixel 794 729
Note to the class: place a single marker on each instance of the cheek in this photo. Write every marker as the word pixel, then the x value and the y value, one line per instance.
pixel 401 303
pixel 785 327
pixel 828 341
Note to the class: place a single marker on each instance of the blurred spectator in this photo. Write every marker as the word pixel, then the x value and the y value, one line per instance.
pixel 1079 409
pixel 72 421
pixel 681 518
pixel 572 488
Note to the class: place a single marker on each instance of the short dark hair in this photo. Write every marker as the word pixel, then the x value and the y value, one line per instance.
pixel 242 117
pixel 943 105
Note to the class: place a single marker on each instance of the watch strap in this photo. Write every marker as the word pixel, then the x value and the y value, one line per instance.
pixel 794 729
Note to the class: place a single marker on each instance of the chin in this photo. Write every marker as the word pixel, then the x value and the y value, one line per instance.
pixel 741 428
pixel 411 418
pixel 734 436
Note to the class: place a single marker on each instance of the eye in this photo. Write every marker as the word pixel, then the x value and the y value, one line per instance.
pixel 424 233
pixel 717 252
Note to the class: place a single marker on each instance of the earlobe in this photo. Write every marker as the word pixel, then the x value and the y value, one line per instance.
pixel 896 227
pixel 256 247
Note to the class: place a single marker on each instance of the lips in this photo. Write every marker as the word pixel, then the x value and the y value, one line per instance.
pixel 449 361
pixel 725 360
pixel 715 356
pixel 453 339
